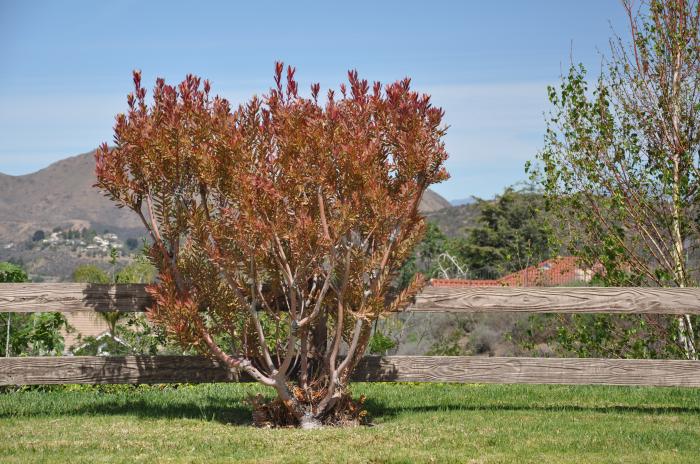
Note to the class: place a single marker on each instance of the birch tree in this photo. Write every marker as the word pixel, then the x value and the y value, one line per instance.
pixel 621 160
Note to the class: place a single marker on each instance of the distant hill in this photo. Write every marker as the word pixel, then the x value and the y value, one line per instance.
pixel 59 195
pixel 454 221
pixel 432 202
pixel 463 201
pixel 62 195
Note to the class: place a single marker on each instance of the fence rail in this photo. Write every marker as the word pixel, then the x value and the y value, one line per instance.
pixel 69 297
pixel 175 369
pixel 461 369
pixel 625 300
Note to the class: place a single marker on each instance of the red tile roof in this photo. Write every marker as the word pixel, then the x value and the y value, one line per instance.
pixel 465 283
pixel 561 270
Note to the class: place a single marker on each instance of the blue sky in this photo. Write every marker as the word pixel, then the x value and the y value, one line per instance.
pixel 65 67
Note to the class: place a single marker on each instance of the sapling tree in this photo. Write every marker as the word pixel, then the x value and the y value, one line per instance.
pixel 279 226
pixel 621 162
pixel 35 334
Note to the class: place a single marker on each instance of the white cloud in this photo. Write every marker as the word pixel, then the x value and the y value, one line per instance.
pixel 494 129
pixel 37 130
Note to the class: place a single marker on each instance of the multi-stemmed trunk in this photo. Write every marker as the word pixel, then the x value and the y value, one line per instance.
pixel 312 390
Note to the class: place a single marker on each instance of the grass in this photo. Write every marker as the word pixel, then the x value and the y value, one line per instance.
pixel 412 423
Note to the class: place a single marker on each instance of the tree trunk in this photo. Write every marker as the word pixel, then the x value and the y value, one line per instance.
pixel 7 339
pixel 685 328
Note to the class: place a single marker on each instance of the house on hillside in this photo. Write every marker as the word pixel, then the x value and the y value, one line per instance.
pixel 84 324
pixel 559 271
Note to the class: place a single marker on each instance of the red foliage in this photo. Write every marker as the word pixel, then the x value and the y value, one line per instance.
pixel 277 228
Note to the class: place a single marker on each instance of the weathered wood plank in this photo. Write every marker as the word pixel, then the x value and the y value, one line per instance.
pixel 111 369
pixel 461 369
pixel 564 371
pixel 67 297
pixel 627 300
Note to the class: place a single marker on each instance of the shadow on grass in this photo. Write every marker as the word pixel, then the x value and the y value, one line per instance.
pixel 378 410
pixel 210 409
pixel 233 410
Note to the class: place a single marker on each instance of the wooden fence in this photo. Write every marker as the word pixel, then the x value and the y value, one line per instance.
pixel 169 369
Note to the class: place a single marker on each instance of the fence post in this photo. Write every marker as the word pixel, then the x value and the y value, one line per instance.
pixel 7 339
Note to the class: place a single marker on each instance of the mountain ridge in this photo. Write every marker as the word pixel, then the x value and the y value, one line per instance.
pixel 62 194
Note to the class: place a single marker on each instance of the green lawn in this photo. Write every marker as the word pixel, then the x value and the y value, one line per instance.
pixel 412 423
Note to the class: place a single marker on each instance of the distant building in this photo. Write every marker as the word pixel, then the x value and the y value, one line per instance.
pixel 85 324
pixel 559 271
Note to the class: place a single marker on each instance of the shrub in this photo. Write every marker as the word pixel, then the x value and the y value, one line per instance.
pixel 277 228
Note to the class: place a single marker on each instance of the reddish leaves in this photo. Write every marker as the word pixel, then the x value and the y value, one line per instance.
pixel 254 212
